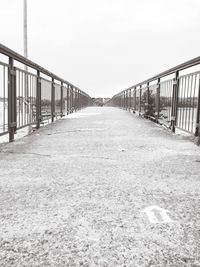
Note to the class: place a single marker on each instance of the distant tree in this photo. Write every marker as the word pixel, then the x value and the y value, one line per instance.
pixel 45 102
pixel 98 101
pixel 149 103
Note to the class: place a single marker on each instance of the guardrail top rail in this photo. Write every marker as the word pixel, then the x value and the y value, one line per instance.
pixel 170 97
pixel 27 98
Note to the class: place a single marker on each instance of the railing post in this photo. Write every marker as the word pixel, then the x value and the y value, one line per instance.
pixel 124 106
pixel 72 99
pixel 197 131
pixel 158 101
pixel 12 112
pixel 147 110
pixel 68 99
pixel 52 100
pixel 140 99
pixel 38 101
pixel 134 98
pixel 76 98
pixel 79 99
pixel 15 98
pixel 129 99
pixel 174 102
pixel 126 100
pixel 61 99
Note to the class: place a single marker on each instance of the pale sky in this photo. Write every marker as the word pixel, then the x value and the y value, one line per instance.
pixel 104 46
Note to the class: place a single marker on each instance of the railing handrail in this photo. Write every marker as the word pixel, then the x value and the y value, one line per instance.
pixel 10 53
pixel 175 102
pixel 188 64
pixel 62 99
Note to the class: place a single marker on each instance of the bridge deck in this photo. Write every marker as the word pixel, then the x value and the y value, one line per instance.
pixel 74 194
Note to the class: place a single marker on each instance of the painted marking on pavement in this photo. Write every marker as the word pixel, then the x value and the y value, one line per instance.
pixel 150 212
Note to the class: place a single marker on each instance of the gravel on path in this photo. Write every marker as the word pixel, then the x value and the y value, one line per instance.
pixel 74 193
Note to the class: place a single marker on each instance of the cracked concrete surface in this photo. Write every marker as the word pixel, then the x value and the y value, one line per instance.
pixel 72 194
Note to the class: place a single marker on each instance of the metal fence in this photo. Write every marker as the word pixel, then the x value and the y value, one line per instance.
pixel 171 98
pixel 28 99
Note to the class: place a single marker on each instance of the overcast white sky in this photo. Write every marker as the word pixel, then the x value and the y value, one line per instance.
pixel 104 46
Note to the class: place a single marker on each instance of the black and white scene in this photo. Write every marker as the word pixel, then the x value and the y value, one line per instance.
pixel 99 133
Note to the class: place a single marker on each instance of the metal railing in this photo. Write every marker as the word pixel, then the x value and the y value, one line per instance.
pixel 171 98
pixel 29 99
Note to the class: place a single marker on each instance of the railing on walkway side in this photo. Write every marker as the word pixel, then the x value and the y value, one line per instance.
pixel 27 98
pixel 171 98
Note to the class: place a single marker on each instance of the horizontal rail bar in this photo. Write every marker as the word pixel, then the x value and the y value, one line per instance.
pixel 26 125
pixel 188 64
pixel 175 101
pixel 10 53
pixel 4 64
pixel 192 73
pixel 4 133
pixel 26 72
pixel 27 99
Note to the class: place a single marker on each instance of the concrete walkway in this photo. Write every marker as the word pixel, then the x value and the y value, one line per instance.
pixel 75 193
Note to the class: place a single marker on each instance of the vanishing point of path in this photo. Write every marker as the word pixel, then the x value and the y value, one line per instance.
pixel 79 192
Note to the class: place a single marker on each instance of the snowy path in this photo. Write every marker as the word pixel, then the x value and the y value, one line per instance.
pixel 74 194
